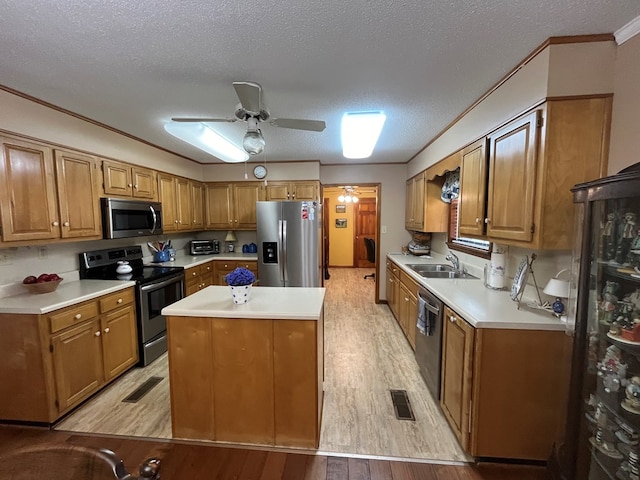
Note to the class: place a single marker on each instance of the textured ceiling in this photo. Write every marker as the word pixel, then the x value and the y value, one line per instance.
pixel 133 65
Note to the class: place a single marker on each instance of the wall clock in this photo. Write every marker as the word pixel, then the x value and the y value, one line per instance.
pixel 259 171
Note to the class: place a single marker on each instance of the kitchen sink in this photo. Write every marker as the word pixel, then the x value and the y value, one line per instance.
pixel 438 271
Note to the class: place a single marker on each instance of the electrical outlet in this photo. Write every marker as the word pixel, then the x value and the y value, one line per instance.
pixel 5 258
pixel 43 252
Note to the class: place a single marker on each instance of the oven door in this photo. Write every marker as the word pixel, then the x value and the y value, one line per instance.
pixel 152 298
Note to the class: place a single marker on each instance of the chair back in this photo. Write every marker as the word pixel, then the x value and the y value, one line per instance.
pixel 370 245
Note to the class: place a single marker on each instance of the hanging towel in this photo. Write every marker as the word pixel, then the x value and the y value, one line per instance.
pixel 422 316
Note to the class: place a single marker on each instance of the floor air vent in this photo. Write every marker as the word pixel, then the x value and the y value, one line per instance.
pixel 143 389
pixel 401 405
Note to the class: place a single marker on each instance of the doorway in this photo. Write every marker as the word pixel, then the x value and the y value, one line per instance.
pixel 348 223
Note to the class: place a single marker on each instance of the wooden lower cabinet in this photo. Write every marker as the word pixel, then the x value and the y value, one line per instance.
pixel 54 361
pixel 502 390
pixel 222 267
pixel 255 381
pixel 402 298
pixel 198 277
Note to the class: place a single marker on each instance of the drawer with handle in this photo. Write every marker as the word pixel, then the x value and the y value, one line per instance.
pixel 63 318
pixel 116 300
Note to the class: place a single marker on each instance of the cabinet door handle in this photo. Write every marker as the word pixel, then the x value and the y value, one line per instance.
pixel 477 219
pixel 406 299
pixel 106 330
pixel 55 224
pixel 129 185
pixel 193 273
pixel 66 224
pixel 487 220
pixel 119 300
pixel 175 221
pixel 97 334
pixel 452 318
pixel 136 186
pixel 78 316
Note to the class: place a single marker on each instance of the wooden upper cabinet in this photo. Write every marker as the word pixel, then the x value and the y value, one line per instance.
pixel 127 180
pixel 197 205
pixel 473 189
pixel 47 194
pixel 183 208
pixel 79 207
pixel 167 196
pixel 512 178
pixel 245 196
pixel 28 194
pixel 415 199
pixel 218 206
pixel 298 190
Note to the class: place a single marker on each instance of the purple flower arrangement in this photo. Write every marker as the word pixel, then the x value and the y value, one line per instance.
pixel 240 276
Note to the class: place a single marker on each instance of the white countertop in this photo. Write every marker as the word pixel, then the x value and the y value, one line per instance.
pixel 282 303
pixel 68 293
pixel 188 261
pixel 478 305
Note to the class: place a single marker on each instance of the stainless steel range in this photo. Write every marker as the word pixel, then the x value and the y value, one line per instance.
pixel 156 287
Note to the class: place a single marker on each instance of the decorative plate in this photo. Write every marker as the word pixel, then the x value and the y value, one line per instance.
pixel 520 278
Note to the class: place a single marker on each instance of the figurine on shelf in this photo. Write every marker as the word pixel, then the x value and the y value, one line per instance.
pixel 632 393
pixel 608 303
pixel 612 370
pixel 634 251
pixel 627 236
pixel 634 299
pixel 609 238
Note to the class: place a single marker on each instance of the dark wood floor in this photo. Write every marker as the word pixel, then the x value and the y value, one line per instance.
pixel 181 461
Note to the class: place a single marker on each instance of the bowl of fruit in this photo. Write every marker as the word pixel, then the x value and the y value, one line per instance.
pixel 44 283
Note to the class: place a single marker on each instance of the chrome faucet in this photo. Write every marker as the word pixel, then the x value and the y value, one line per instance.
pixel 454 260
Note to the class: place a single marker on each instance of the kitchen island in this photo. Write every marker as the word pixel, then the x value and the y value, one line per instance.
pixel 249 373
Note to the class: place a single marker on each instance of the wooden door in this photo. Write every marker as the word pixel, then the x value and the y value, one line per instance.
pixel 119 341
pixel 143 182
pixel 183 198
pixel 77 363
pixel 457 374
pixel 167 196
pixel 366 221
pixel 473 190
pixel 197 205
pixel 512 175
pixel 117 178
pixel 245 197
pixel 28 203
pixel 79 206
pixel 218 206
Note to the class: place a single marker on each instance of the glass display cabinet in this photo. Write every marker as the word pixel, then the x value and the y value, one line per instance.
pixel 602 431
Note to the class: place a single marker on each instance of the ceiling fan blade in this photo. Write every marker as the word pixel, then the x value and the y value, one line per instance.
pixel 298 124
pixel 250 95
pixel 203 120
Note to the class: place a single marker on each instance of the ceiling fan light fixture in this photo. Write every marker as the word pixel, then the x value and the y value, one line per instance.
pixel 360 132
pixel 253 142
pixel 206 139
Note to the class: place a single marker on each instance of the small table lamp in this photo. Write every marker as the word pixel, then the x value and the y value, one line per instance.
pixel 230 238
pixel 559 289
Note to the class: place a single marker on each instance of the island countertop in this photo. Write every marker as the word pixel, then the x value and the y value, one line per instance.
pixel 294 303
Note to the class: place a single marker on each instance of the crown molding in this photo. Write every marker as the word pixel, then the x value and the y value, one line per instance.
pixel 630 30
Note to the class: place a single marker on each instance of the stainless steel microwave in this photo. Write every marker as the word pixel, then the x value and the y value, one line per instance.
pixel 130 218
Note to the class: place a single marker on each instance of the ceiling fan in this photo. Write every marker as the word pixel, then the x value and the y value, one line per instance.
pixel 252 110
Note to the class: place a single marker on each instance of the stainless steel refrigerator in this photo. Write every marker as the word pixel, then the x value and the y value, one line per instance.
pixel 289 244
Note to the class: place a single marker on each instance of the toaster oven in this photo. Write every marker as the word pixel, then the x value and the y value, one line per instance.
pixel 204 247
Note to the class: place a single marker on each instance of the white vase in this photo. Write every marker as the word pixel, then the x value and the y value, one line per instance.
pixel 240 293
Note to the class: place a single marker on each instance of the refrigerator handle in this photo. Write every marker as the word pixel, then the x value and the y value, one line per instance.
pixel 283 251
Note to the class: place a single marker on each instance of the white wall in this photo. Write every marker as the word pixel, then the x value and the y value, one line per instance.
pixel 275 171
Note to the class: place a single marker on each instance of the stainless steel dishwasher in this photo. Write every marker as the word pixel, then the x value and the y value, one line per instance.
pixel 429 339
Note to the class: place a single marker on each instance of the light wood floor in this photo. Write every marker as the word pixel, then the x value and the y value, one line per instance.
pixel 366 355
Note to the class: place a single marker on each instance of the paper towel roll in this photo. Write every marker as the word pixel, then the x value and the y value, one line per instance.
pixel 496 270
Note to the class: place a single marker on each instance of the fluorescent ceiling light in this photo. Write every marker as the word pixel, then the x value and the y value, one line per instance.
pixel 360 132
pixel 203 137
